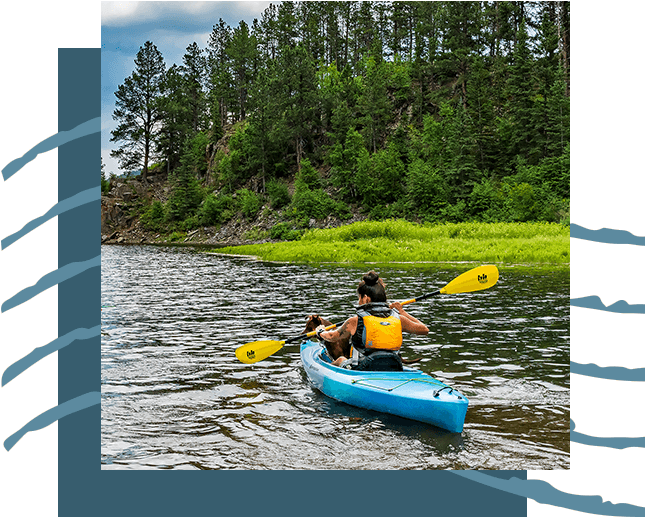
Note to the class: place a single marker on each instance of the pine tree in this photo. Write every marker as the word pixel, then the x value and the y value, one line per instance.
pixel 263 139
pixel 185 194
pixel 176 117
pixel 482 113
pixel 331 33
pixel 286 25
pixel 338 93
pixel 311 35
pixel 380 179
pixel 460 44
pixel 521 94
pixel 563 20
pixel 347 21
pixel 346 160
pixel 424 65
pixel 220 80
pixel 400 36
pixel 137 112
pixel 242 50
pixel 373 102
pixel 558 116
pixel 364 31
pixel 462 171
pixel 194 72
pixel 329 83
pixel 267 37
pixel 298 94
pixel 426 190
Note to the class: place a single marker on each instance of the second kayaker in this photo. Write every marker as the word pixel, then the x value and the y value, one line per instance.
pixel 375 332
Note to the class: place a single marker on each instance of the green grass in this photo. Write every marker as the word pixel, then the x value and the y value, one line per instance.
pixel 402 241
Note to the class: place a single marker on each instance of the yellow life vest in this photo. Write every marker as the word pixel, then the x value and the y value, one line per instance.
pixel 379 328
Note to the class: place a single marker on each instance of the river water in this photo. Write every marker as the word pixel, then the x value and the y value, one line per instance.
pixel 175 397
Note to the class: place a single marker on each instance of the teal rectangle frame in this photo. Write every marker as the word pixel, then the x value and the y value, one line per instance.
pixel 84 489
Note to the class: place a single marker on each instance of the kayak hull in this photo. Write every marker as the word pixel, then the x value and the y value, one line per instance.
pixel 409 394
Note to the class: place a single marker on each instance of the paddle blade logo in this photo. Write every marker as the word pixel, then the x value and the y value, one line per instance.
pixel 250 354
pixel 483 279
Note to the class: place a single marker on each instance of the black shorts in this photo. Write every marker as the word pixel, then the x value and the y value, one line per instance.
pixel 380 361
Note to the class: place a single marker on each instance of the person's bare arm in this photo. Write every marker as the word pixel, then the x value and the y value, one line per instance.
pixel 409 323
pixel 346 330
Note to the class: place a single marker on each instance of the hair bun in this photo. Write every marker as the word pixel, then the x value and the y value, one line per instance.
pixel 371 278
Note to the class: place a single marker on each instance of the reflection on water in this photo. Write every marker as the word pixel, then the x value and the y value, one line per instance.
pixel 175 397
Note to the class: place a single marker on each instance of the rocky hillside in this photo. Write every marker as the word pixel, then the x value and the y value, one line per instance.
pixel 127 200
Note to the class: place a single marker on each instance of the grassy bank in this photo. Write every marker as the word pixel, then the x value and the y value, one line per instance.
pixel 402 241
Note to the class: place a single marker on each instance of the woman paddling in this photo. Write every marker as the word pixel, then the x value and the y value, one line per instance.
pixel 376 331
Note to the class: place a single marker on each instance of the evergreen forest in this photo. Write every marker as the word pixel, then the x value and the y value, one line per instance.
pixel 427 111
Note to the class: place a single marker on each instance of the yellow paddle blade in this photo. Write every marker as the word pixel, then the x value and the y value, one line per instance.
pixel 257 351
pixel 477 279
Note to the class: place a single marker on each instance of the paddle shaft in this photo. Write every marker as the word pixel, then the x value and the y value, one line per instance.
pixel 422 297
pixel 307 335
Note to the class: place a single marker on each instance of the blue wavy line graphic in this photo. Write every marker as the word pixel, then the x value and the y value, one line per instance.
pixel 82 198
pixel 54 141
pixel 610 442
pixel 544 493
pixel 52 415
pixel 606 236
pixel 615 373
pixel 537 490
pixel 594 302
pixel 41 352
pixel 49 280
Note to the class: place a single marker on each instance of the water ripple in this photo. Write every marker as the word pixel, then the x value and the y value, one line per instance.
pixel 175 397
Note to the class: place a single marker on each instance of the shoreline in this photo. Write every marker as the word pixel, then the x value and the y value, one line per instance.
pixel 429 264
pixel 525 245
pixel 560 266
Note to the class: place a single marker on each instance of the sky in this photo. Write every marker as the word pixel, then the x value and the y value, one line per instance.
pixel 171 26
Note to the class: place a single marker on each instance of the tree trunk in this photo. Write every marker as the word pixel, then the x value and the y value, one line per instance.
pixel 563 37
pixel 144 172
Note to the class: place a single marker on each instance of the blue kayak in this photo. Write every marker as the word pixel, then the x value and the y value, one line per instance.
pixel 410 394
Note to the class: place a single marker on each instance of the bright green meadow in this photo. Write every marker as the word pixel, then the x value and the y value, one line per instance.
pixel 402 241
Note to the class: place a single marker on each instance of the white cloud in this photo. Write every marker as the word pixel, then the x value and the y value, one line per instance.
pixel 111 164
pixel 123 13
pixel 107 122
pixel 118 14
pixel 255 7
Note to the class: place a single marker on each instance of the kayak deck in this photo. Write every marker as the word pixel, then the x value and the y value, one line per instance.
pixel 409 393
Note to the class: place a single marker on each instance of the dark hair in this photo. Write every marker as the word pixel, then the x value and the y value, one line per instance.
pixel 373 286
